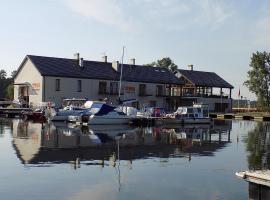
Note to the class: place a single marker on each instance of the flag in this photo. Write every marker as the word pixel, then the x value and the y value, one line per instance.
pixel 239 93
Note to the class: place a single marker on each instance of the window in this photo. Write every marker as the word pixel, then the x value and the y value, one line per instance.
pixel 79 85
pixel 102 87
pixel 159 90
pixel 57 84
pixel 113 88
pixel 142 89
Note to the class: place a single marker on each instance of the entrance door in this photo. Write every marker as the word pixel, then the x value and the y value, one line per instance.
pixel 24 96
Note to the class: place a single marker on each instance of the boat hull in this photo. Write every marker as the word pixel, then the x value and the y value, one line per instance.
pixel 102 120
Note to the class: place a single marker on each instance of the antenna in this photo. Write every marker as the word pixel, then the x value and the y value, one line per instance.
pixel 121 73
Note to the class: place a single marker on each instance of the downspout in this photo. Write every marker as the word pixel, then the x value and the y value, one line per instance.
pixel 43 89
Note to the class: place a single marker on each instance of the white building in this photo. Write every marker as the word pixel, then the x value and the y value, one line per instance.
pixel 44 79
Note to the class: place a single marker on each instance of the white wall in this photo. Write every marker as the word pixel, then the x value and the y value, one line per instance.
pixel 29 74
pixel 90 88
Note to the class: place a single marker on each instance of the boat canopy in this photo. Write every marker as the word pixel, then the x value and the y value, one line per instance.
pixel 104 109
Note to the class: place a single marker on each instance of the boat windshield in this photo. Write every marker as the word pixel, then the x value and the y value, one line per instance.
pixel 95 107
pixel 73 102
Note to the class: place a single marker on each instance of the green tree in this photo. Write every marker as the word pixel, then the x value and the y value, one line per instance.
pixel 3 74
pixel 259 77
pixel 9 93
pixel 13 74
pixel 164 62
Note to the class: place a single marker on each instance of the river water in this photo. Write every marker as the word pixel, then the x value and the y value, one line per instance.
pixel 64 161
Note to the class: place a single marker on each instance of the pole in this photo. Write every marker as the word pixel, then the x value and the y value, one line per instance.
pixel 121 74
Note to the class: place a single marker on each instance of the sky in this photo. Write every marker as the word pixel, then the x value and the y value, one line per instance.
pixel 213 35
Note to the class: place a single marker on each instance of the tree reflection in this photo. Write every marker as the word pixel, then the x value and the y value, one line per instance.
pixel 4 123
pixel 258 147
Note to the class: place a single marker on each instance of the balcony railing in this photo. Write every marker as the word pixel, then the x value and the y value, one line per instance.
pixel 206 95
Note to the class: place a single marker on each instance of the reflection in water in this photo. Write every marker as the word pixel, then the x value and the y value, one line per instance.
pixel 3 124
pixel 258 192
pixel 258 146
pixel 103 145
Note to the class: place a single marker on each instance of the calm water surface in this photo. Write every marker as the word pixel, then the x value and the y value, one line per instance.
pixel 60 161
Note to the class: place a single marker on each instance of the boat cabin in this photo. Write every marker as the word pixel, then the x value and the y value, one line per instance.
pixel 196 111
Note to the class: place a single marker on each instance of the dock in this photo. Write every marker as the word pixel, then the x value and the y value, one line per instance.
pixel 239 116
pixel 261 177
pixel 12 112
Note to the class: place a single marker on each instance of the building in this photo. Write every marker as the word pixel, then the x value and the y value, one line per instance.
pixel 205 87
pixel 50 79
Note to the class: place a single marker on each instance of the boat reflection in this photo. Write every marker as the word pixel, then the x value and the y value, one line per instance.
pixel 38 144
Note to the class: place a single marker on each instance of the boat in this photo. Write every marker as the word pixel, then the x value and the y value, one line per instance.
pixel 105 114
pixel 196 114
pixel 69 114
pixel 72 112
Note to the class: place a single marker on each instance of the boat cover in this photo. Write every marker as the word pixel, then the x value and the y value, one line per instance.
pixel 105 109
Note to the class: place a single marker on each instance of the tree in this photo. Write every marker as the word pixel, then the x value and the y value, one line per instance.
pixel 259 77
pixel 13 74
pixel 164 62
pixel 9 93
pixel 3 74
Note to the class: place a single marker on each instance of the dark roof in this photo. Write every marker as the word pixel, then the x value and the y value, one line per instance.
pixel 63 67
pixel 141 73
pixel 205 79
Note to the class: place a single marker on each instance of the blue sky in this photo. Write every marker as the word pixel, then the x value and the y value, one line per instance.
pixel 212 35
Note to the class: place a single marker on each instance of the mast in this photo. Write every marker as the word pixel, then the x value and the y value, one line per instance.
pixel 121 74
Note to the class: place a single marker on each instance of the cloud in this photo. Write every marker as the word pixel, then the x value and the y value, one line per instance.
pixel 262 32
pixel 148 14
pixel 212 13
pixel 105 11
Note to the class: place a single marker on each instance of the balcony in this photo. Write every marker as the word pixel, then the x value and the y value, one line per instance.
pixel 189 95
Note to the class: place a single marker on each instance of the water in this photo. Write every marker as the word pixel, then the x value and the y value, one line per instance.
pixel 59 161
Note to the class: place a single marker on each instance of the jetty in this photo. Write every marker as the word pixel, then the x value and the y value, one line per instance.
pixel 241 116
pixel 261 177
pixel 12 112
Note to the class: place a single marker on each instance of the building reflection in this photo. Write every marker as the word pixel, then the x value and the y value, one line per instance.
pixel 37 144
pixel 258 145
pixel 258 192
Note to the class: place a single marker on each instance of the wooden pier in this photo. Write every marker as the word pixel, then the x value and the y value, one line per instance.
pixel 239 116
pixel 12 112
pixel 259 177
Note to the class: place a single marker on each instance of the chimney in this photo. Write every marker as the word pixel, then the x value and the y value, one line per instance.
pixel 77 56
pixel 105 59
pixel 132 61
pixel 115 66
pixel 190 67
pixel 81 62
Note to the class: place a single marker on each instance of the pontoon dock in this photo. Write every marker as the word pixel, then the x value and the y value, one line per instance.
pixel 259 177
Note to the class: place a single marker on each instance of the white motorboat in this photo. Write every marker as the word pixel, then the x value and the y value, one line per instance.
pixel 69 114
pixel 196 114
pixel 105 114
pixel 73 112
